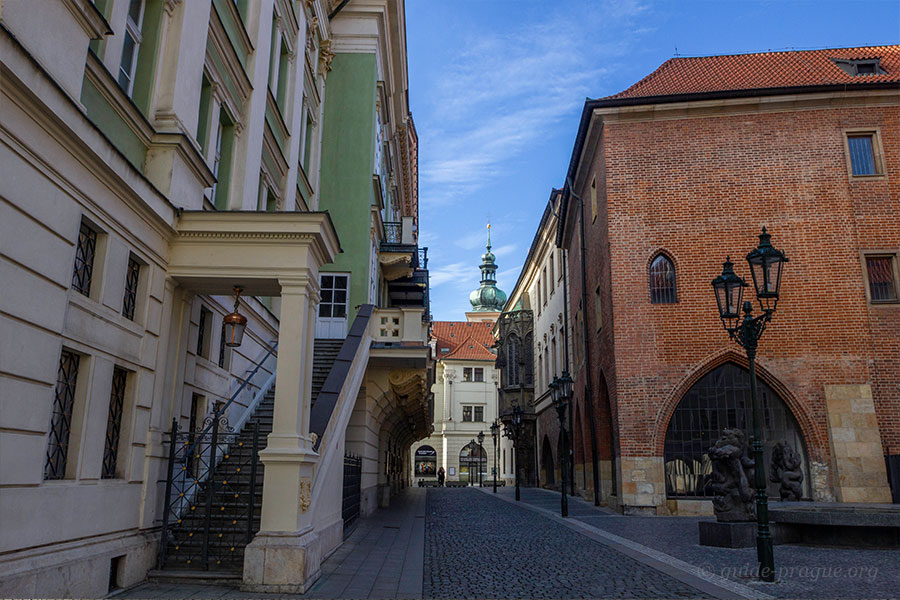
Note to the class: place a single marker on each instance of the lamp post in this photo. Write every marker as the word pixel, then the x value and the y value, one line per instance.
pixel 471 452
pixel 766 264
pixel 494 432
pixel 233 324
pixel 560 393
pixel 480 455
pixel 513 430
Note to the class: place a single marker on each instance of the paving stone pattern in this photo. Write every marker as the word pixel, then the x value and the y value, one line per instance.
pixel 481 547
pixel 802 571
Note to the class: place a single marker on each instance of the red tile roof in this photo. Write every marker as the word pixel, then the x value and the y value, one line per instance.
pixel 463 340
pixel 704 74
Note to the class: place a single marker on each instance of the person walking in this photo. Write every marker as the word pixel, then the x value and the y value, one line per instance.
pixel 441 477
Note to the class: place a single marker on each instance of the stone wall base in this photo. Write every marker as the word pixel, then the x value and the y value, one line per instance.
pixel 78 569
pixel 282 563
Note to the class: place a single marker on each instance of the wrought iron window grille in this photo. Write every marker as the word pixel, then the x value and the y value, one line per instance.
pixel 85 251
pixel 61 418
pixel 114 423
pixel 131 286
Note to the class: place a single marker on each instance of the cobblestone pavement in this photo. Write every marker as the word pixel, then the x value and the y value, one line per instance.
pixel 802 571
pixel 477 546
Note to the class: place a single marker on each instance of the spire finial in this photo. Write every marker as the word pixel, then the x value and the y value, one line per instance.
pixel 489 235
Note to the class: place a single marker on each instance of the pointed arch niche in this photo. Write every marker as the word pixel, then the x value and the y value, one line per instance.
pixel 720 400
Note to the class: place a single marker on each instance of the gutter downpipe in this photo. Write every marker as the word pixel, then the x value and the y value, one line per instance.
pixel 589 388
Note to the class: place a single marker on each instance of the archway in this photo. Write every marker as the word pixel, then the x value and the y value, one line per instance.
pixel 578 435
pixel 720 400
pixel 426 462
pixel 548 466
pixel 472 463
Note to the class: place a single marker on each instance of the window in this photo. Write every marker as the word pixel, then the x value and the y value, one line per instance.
pixel 204 114
pixel 544 285
pixel 593 200
pixel 131 288
pixel 864 153
pixel 856 68
pixel 478 374
pixel 284 58
pixel 85 251
pixel 662 281
pixel 479 414
pixel 560 256
pixel 61 416
pixel 467 373
pixel 467 414
pixel 552 277
pixel 223 149
pixel 130 45
pixel 598 309
pixel 307 142
pixel 334 296
pixel 114 423
pixel 881 272
pixel 203 332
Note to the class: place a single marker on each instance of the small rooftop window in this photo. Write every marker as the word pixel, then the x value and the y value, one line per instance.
pixel 856 68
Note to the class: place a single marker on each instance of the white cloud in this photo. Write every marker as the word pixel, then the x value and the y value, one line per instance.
pixel 458 271
pixel 505 249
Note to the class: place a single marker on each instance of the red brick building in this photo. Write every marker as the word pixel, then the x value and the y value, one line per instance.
pixel 684 168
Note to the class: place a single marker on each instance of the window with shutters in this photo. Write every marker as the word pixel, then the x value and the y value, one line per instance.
pixel 114 423
pixel 882 278
pixel 865 157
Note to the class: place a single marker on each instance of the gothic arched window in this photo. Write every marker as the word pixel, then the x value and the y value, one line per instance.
pixel 662 281
pixel 512 360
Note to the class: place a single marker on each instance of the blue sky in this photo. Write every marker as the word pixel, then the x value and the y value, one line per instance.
pixel 497 87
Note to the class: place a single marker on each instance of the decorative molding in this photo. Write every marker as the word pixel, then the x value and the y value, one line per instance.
pixel 88 17
pixel 170 5
pixel 284 235
pixel 305 494
pixel 326 55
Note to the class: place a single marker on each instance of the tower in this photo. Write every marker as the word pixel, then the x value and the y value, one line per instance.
pixel 488 300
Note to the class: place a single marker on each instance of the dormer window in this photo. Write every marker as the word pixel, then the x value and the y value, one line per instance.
pixel 860 67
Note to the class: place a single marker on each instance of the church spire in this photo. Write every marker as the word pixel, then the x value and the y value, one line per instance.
pixel 488 297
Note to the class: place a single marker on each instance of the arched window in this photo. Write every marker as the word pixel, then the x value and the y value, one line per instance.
pixel 662 281
pixel 512 351
pixel 719 401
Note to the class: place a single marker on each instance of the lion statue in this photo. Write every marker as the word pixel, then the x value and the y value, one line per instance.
pixel 787 471
pixel 732 472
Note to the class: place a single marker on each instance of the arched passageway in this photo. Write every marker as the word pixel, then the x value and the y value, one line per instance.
pixel 548 465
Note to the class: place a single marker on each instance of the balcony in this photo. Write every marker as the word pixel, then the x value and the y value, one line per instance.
pixel 399 337
pixel 404 267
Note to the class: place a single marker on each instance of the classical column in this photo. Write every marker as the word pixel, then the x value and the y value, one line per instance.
pixel 285 557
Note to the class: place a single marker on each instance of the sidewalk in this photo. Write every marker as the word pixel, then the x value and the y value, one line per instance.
pixel 802 571
pixel 382 558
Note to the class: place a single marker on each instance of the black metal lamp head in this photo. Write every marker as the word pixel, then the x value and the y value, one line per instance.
pixel 565 386
pixel 495 428
pixel 480 438
pixel 554 390
pixel 766 263
pixel 729 289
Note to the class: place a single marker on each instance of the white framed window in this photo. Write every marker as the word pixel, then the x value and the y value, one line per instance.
pixel 130 45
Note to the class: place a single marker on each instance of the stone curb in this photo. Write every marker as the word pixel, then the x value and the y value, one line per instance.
pixel 700 579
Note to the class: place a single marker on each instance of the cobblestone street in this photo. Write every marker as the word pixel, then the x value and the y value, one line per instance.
pixel 480 547
pixel 469 543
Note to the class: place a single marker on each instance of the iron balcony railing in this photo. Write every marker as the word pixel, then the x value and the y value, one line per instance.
pixel 393 232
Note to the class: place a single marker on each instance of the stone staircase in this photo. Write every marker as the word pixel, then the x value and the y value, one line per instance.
pixel 230 492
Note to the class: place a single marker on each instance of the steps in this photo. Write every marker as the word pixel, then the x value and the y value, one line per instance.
pixel 228 493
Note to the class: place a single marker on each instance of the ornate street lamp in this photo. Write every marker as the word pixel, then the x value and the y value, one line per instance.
pixel 560 393
pixel 234 323
pixel 480 455
pixel 471 452
pixel 495 430
pixel 513 431
pixel 766 264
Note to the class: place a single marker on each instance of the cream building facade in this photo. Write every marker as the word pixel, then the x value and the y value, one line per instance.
pixel 154 155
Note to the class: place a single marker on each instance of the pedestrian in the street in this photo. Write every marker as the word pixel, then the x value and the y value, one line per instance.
pixel 441 477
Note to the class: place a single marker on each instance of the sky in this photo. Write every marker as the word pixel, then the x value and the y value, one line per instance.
pixel 496 90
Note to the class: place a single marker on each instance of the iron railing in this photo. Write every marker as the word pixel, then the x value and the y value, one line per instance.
pixel 352 491
pixel 393 232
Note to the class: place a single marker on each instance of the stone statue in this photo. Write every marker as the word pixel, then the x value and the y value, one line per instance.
pixel 787 470
pixel 732 473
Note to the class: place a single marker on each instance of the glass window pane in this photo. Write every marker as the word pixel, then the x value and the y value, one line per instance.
pixel 327 296
pixel 327 281
pixel 882 287
pixel 324 310
pixel 339 310
pixel 862 157
pixel 125 67
pixel 340 282
pixel 340 297
pixel 134 11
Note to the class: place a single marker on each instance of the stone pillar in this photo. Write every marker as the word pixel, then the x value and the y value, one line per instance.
pixel 643 485
pixel 859 473
pixel 285 555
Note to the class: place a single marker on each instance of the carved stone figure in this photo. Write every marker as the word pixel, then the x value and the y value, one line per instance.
pixel 787 470
pixel 732 472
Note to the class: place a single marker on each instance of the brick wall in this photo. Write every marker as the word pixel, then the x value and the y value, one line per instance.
pixel 701 188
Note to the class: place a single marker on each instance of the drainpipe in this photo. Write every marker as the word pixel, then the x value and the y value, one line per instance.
pixel 589 388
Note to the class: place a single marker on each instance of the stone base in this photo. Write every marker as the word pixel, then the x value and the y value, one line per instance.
pixel 728 535
pixel 282 563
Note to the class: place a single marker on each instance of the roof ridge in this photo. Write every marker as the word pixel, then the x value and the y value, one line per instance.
pixel 786 51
